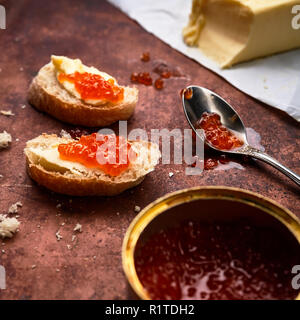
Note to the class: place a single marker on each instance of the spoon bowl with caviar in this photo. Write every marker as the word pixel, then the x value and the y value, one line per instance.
pixel 222 128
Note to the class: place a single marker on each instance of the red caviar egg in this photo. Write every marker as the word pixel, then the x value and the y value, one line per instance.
pixel 210 164
pixel 223 159
pixel 187 92
pixel 134 77
pixel 166 74
pixel 145 57
pixel 159 83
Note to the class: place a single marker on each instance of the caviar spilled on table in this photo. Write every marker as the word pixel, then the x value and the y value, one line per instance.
pixel 160 68
pixel 166 71
pixel 141 77
pixel 198 260
pixel 145 79
pixel 145 56
pixel 159 84
pixel 84 151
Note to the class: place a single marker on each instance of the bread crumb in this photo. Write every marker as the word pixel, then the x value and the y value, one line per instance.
pixel 33 266
pixel 1 176
pixel 57 270
pixel 17 139
pixel 58 206
pixel 3 251
pixel 171 174
pixel 69 246
pixel 73 238
pixel 8 226
pixel 65 134
pixel 78 227
pixel 63 224
pixel 7 113
pixel 23 106
pixel 58 236
pixel 14 207
pixel 137 209
pixel 5 139
pixel 118 213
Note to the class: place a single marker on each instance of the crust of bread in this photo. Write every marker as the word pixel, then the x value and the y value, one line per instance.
pixel 47 95
pixel 91 184
pixel 77 187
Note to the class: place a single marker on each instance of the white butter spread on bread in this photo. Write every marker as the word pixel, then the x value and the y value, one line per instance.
pixel 49 159
pixel 64 65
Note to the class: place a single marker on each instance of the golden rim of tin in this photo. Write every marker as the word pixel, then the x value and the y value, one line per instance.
pixel 142 220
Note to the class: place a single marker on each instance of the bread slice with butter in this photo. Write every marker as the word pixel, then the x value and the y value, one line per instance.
pixel 62 101
pixel 67 177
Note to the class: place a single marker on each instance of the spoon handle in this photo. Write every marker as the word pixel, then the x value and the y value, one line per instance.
pixel 255 153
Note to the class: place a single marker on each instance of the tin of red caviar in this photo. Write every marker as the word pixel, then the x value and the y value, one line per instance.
pixel 238 221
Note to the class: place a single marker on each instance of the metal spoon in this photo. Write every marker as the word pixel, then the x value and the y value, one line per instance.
pixel 197 100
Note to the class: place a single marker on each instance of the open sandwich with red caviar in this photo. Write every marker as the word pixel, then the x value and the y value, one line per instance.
pixel 92 165
pixel 75 93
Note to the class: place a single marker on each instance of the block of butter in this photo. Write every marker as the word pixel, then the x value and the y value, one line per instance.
pixel 232 31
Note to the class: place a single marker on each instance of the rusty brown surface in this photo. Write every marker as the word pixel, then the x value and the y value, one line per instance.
pixel 104 37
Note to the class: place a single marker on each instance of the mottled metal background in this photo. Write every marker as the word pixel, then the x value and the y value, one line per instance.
pixel 104 37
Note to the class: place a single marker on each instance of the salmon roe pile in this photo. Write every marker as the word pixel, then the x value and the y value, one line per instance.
pixel 94 86
pixel 218 135
pixel 109 153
